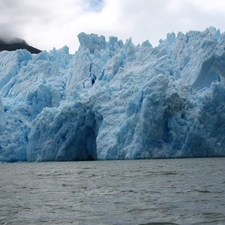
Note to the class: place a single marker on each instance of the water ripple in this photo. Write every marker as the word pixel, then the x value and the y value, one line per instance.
pixel 147 192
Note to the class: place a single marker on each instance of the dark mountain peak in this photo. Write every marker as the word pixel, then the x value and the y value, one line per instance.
pixel 16 43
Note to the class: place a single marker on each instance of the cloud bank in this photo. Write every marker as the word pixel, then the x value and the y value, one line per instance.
pixel 55 23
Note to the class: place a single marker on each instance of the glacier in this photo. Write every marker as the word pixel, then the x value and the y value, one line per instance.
pixel 115 100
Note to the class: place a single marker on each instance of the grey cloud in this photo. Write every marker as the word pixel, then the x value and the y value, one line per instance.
pixel 145 19
pixel 6 34
pixel 16 15
pixel 153 19
pixel 141 20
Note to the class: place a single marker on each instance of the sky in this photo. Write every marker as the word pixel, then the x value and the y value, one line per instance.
pixel 46 24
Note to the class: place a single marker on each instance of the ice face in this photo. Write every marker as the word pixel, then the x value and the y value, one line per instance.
pixel 115 100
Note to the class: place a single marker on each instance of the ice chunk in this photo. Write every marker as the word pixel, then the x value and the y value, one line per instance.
pixel 91 42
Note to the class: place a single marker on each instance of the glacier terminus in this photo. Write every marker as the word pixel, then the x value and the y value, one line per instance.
pixel 115 100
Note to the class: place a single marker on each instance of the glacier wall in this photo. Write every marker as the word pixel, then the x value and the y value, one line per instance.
pixel 115 100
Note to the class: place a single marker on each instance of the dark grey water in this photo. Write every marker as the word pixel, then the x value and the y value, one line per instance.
pixel 174 191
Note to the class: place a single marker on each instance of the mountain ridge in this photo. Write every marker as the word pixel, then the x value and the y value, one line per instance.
pixel 15 44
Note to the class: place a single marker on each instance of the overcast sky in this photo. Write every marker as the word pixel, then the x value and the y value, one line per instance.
pixel 54 23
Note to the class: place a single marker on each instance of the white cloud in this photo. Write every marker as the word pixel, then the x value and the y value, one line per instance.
pixel 55 23
pixel 209 5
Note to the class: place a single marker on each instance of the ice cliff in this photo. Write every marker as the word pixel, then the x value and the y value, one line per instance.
pixel 115 100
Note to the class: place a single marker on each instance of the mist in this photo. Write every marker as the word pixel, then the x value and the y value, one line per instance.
pixel 8 36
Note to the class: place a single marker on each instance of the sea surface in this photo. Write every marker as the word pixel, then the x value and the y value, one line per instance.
pixel 138 192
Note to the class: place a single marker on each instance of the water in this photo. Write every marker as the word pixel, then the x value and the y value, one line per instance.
pixel 174 191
